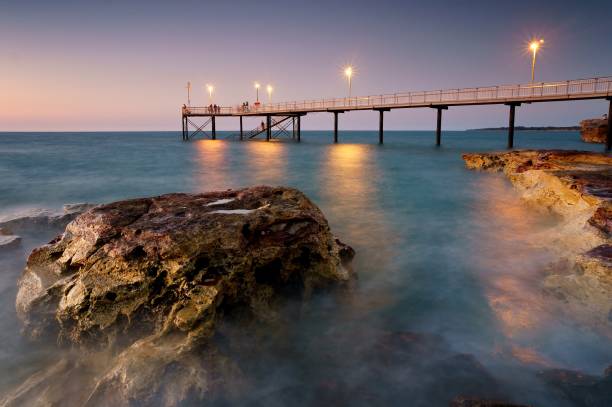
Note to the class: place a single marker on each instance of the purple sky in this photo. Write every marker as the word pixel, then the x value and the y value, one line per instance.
pixel 106 65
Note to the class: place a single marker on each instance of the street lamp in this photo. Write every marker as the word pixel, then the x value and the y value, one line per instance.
pixel 257 92
pixel 269 88
pixel 348 72
pixel 534 46
pixel 188 93
pixel 210 89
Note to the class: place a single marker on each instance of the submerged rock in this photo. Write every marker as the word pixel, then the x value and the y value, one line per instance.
pixel 35 219
pixel 9 242
pixel 581 389
pixel 576 185
pixel 475 402
pixel 391 368
pixel 594 130
pixel 77 208
pixel 150 279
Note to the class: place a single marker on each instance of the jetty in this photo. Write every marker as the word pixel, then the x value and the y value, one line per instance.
pixel 280 117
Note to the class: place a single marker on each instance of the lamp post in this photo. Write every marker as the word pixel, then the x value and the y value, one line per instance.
pixel 534 46
pixel 348 72
pixel 269 88
pixel 188 93
pixel 257 92
pixel 210 89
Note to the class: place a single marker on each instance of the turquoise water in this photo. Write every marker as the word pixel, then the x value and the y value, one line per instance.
pixel 440 250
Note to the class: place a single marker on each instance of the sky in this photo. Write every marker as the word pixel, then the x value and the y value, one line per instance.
pixel 123 65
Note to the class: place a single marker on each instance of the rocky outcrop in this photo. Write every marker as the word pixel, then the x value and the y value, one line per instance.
pixel 577 186
pixel 148 280
pixel 594 130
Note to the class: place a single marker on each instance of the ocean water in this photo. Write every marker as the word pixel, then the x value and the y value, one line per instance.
pixel 441 251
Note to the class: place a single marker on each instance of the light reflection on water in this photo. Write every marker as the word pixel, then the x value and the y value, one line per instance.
pixel 439 249
pixel 266 162
pixel 510 267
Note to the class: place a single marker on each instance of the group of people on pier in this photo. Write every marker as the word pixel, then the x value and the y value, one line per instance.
pixel 214 109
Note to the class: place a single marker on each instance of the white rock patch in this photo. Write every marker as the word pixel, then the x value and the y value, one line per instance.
pixel 239 211
pixel 235 211
pixel 221 201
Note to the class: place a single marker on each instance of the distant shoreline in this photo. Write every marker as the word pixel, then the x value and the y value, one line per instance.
pixel 537 128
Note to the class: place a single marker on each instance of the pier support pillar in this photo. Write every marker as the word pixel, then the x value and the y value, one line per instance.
pixel 186 128
pixel 214 128
pixel 439 124
pixel 609 135
pixel 293 127
pixel 335 127
pixel 511 124
pixel 241 132
pixel 299 130
pixel 381 127
pixel 268 127
pixel 336 112
pixel 183 126
pixel 381 124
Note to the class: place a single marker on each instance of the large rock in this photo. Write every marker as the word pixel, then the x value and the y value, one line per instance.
pixel 578 186
pixel 150 279
pixel 594 130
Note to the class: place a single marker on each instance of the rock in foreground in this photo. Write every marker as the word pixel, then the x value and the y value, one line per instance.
pixel 576 185
pixel 150 279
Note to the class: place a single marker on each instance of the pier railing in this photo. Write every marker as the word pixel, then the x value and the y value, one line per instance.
pixel 540 91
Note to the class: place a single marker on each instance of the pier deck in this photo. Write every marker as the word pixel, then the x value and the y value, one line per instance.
pixel 511 95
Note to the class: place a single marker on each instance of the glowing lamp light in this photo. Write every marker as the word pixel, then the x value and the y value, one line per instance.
pixel 211 89
pixel 348 72
pixel 534 46
pixel 256 84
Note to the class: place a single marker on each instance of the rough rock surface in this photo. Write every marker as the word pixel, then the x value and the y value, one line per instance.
pixel 594 130
pixel 578 186
pixel 148 280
